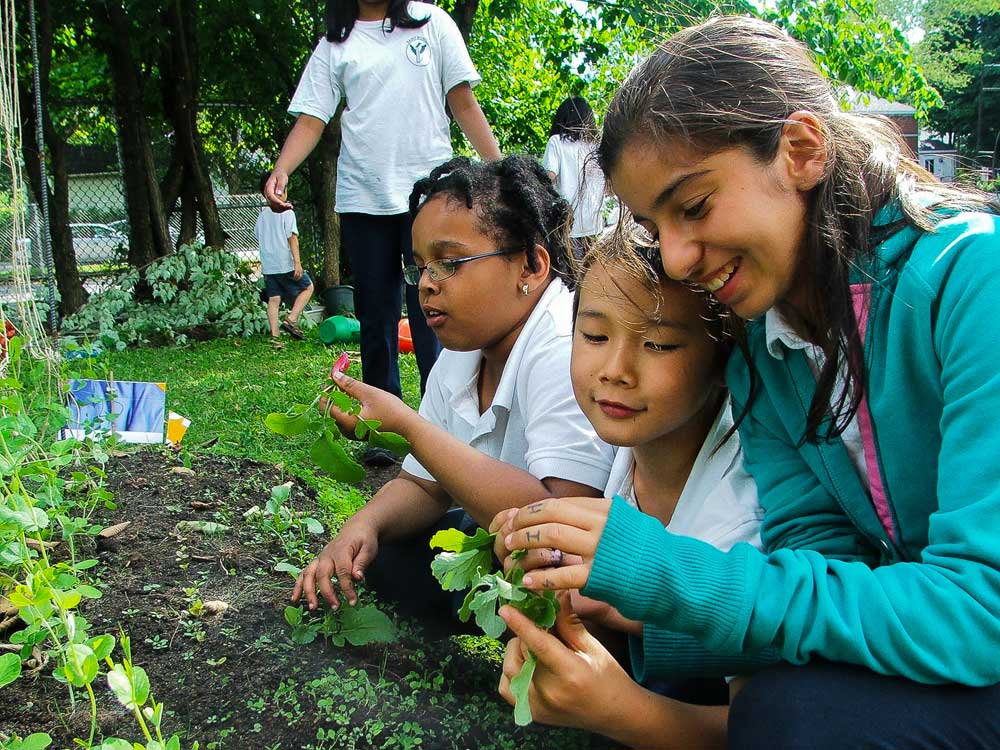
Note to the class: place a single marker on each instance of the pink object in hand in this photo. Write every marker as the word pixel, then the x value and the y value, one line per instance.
pixel 340 365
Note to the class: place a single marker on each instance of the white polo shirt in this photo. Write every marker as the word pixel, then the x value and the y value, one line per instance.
pixel 395 127
pixel 534 422
pixel 719 501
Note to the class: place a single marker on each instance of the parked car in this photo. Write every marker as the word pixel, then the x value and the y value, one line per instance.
pixel 98 243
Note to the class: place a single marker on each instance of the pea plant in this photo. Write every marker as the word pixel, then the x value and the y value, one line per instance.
pixel 48 490
pixel 327 451
pixel 467 563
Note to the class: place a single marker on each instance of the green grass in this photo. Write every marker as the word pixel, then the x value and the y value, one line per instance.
pixel 227 386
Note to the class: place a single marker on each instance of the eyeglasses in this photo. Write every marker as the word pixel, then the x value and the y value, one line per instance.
pixel 439 270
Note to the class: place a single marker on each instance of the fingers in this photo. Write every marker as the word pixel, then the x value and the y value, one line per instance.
pixel 548 649
pixel 583 512
pixel 348 384
pixel 557 579
pixel 566 537
pixel 569 627
pixel 274 191
pixel 538 558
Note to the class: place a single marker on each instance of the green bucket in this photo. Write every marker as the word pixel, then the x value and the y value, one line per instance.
pixel 339 329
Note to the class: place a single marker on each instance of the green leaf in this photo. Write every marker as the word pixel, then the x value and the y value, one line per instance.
pixel 366 624
pixel 287 567
pixel 459 570
pixel 293 615
pixel 294 422
pixel 102 645
pixel 36 741
pixel 313 526
pixel 519 685
pixel 81 665
pixel 209 528
pixel 453 540
pixel 89 592
pixel 10 668
pixel 361 430
pixel 114 743
pixel 344 402
pixel 303 634
pixel 390 441
pixel 540 608
pixel 331 457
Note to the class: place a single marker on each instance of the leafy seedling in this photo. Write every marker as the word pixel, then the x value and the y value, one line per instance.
pixel 326 450
pixel 358 626
pixel 467 563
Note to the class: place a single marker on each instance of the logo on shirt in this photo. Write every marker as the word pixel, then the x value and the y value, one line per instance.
pixel 418 52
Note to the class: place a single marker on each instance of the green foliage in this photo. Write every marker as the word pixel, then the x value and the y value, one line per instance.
pixel 51 487
pixel 960 38
pixel 197 290
pixel 465 563
pixel 326 450
pixel 358 625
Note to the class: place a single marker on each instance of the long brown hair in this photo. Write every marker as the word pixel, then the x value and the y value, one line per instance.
pixel 732 82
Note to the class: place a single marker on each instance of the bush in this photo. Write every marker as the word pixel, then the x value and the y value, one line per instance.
pixel 197 292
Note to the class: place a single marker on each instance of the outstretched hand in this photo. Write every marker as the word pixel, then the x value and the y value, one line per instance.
pixel 572 526
pixel 376 404
pixel 577 682
pixel 274 191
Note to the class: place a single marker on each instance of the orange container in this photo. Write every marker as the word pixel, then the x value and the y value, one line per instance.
pixel 405 342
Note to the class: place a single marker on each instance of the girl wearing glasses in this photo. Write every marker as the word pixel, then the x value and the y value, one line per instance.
pixel 498 419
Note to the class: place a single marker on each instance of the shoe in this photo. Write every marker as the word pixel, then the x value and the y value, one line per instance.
pixel 377 457
pixel 277 343
pixel 293 329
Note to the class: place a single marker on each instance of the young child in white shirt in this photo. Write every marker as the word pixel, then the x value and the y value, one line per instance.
pixel 648 366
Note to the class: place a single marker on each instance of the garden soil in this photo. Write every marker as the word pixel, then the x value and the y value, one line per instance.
pixel 234 679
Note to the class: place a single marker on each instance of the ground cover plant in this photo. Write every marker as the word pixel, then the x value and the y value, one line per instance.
pixel 197 577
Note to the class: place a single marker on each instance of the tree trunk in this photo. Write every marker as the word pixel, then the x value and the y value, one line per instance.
pixel 67 275
pixel 179 71
pixel 149 238
pixel 464 15
pixel 329 149
pixel 321 174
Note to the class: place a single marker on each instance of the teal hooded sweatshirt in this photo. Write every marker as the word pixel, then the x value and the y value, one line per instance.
pixel 901 576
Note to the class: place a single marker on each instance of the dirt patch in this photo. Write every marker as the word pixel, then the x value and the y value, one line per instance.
pixel 234 679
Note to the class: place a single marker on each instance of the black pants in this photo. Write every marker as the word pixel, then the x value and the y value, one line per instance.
pixel 824 706
pixel 401 573
pixel 378 246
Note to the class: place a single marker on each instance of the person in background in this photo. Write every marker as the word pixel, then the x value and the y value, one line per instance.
pixel 398 67
pixel 284 278
pixel 569 159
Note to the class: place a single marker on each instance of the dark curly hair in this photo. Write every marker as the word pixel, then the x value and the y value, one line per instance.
pixel 515 201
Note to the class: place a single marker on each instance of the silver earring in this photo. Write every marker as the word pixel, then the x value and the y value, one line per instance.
pixel 524 290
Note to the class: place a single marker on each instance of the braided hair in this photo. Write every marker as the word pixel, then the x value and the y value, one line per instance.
pixel 514 199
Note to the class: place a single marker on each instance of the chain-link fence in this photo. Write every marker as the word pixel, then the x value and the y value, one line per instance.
pixel 100 232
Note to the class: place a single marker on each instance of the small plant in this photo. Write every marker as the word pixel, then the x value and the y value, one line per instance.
pixel 288 526
pixel 466 563
pixel 355 625
pixel 326 450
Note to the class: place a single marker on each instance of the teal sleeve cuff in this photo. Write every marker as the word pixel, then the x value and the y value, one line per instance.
pixel 666 655
pixel 674 582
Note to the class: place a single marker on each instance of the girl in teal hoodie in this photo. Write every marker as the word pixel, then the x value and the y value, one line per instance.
pixel 868 403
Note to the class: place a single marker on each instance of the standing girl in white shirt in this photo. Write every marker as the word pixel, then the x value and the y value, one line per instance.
pixel 395 65
pixel 498 420
pixel 572 165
